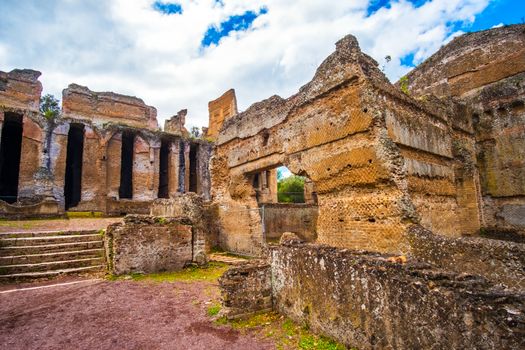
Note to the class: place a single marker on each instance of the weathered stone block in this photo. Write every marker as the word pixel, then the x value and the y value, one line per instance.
pixel 148 244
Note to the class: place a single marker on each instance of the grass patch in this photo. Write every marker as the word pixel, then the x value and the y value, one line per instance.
pixel 213 310
pixel 208 273
pixel 283 331
pixel 84 214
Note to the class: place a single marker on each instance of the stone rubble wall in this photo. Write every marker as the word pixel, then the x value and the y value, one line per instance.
pixel 145 244
pixel 373 301
pixel 497 260
pixel 78 102
pixel 246 289
pixel 104 116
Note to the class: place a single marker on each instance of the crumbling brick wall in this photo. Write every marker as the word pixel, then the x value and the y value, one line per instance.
pixel 104 117
pixel 485 73
pixel 373 301
pixel 144 244
pixel 246 289
pixel 380 159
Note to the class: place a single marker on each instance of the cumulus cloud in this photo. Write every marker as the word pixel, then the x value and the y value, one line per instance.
pixel 137 48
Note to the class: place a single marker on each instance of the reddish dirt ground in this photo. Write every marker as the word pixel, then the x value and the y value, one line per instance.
pixel 117 315
pixel 56 224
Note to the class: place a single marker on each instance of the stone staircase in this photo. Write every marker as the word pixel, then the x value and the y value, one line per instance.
pixel 28 255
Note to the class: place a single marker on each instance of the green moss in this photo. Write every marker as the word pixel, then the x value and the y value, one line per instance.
pixel 84 214
pixel 209 273
pixel 403 84
pixel 213 310
pixel 283 331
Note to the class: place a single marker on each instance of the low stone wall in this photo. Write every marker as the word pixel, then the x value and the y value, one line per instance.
pixel 144 244
pixel 246 289
pixel 498 261
pixel 373 301
pixel 201 213
pixel 43 209
pixel 300 219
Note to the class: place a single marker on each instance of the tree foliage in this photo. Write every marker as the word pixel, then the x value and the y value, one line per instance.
pixel 291 189
pixel 49 106
pixel 195 132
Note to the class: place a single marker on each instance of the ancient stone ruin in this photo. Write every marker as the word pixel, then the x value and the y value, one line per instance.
pixel 413 227
pixel 103 153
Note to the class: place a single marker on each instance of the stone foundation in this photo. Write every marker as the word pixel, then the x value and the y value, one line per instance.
pixel 145 244
pixel 373 301
pixel 497 260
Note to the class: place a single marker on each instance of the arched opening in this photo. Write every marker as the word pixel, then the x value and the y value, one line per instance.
pixel 10 151
pixel 126 165
pixel 164 166
pixel 73 179
pixel 288 203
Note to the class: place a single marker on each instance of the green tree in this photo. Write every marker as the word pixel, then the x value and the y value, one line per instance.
pixel 195 132
pixel 291 189
pixel 49 106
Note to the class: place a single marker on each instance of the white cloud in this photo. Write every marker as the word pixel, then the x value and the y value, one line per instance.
pixel 127 47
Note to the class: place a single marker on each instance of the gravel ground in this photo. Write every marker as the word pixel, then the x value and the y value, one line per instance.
pixel 118 315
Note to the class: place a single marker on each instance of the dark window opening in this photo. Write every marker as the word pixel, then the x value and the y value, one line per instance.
pixel 182 167
pixel 164 170
pixel 73 180
pixel 126 166
pixel 193 168
pixel 10 150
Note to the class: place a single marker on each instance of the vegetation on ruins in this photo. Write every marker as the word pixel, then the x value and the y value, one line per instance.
pixel 403 84
pixel 49 106
pixel 290 189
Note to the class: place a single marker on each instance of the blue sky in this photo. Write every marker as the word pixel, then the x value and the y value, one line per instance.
pixel 184 53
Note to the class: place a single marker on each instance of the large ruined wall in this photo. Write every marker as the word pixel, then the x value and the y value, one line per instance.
pixel 220 110
pixel 379 159
pixel 78 102
pixel 371 301
pixel 103 117
pixel 485 73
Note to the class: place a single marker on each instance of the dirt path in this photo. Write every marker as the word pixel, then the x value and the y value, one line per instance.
pixel 56 224
pixel 117 315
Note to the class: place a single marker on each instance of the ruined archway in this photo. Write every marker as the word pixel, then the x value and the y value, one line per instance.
pixel 10 151
pixel 73 178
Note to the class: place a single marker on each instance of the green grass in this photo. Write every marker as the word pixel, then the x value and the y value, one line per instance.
pixel 209 273
pixel 213 310
pixel 84 214
pixel 283 331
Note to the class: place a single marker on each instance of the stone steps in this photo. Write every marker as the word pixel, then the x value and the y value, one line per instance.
pixel 25 234
pixel 26 255
pixel 46 257
pixel 50 248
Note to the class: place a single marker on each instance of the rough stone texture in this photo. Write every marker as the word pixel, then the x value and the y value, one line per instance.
pixel 485 72
pixel 201 214
pixel 104 117
pixel 246 289
pixel 498 261
pixel 370 301
pixel 78 102
pixel 220 110
pixel 21 89
pixel 337 130
pixel 298 218
pixel 381 160
pixel 148 245
pixel 175 124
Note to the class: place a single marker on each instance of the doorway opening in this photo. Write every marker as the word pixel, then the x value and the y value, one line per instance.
pixel 164 179
pixel 10 151
pixel 126 165
pixel 73 180
pixel 194 181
